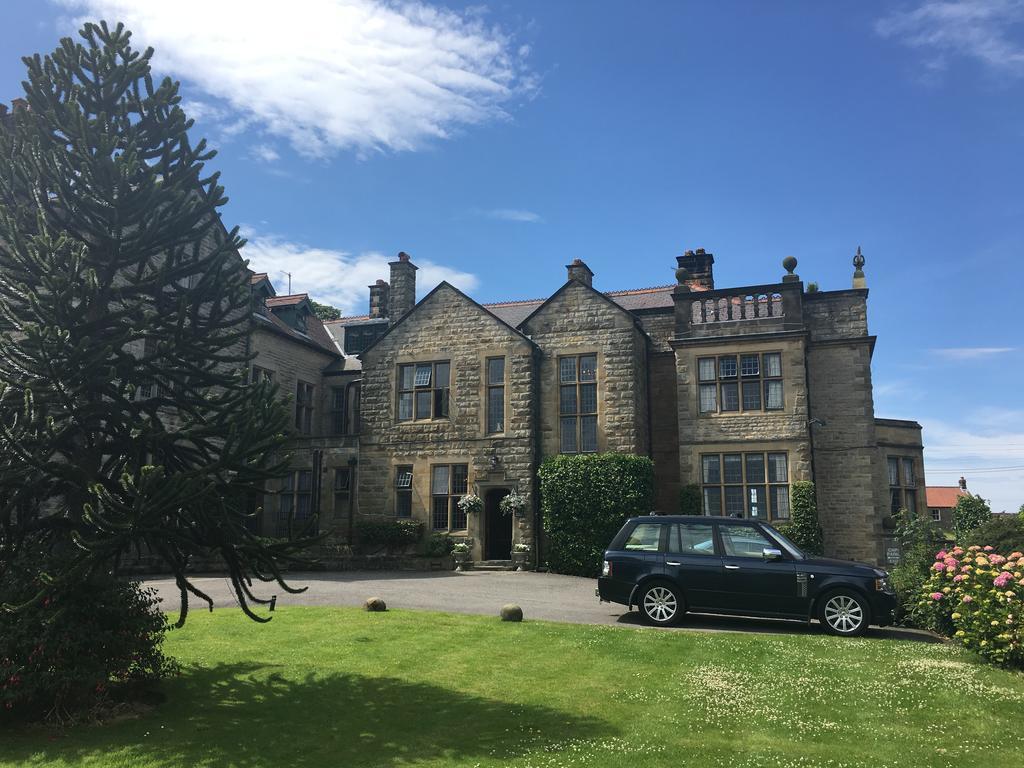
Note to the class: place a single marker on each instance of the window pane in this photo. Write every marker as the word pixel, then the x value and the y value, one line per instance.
pixel 588 436
pixel 730 397
pixel 403 507
pixel 460 479
pixel 733 468
pixel 712 501
pixel 644 538
pixel 777 469
pixel 908 472
pixel 695 539
pixel 711 469
pixel 743 541
pixel 588 368
pixel 910 500
pixel 439 479
pixel 773 395
pixel 758 501
pixel 423 372
pixel 734 505
pixel 440 513
pixel 567 369
pixel 496 409
pixel 458 516
pixel 894 472
pixel 708 398
pixel 305 480
pixel 441 403
pixel 750 365
pixel 303 506
pixel 341 479
pixel 895 500
pixel 406 376
pixel 441 374
pixel 337 398
pixel 780 502
pixel 496 370
pixel 405 406
pixel 403 477
pixel 706 369
pixel 568 441
pixel 751 395
pixel 423 405
pixel 772 364
pixel 567 399
pixel 755 467
pixel 588 398
pixel 727 367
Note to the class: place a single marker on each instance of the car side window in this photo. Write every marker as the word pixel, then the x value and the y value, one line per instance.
pixel 743 541
pixel 644 538
pixel 691 539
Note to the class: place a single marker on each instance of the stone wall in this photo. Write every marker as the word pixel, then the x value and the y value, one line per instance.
pixel 898 439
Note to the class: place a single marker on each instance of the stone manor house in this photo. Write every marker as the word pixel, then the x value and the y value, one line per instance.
pixel 740 391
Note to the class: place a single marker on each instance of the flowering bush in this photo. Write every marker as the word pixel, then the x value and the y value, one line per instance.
pixel 974 594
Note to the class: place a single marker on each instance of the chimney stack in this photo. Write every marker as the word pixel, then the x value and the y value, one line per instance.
pixel 963 484
pixel 699 265
pixel 379 299
pixel 402 293
pixel 578 270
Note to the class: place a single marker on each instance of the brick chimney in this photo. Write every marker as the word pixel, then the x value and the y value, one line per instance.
pixel 963 484
pixel 700 265
pixel 578 270
pixel 402 293
pixel 379 299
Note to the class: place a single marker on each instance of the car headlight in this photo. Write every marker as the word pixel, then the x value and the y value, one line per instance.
pixel 882 585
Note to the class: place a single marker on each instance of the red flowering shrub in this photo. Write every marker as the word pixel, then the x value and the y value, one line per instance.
pixel 66 651
pixel 974 594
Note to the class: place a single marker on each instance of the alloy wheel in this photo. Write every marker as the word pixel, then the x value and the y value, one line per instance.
pixel 844 614
pixel 660 604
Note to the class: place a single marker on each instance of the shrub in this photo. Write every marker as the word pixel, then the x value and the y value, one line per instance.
pixel 585 500
pixel 689 500
pixel 1005 533
pixel 438 545
pixel 803 527
pixel 970 512
pixel 974 594
pixel 387 535
pixel 66 651
pixel 919 540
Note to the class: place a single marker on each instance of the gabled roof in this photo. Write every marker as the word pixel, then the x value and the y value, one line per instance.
pixel 632 300
pixel 421 302
pixel 603 296
pixel 285 301
pixel 315 336
pixel 943 495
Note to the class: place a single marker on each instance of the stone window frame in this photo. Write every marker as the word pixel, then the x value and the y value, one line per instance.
pixel 440 397
pixel 305 406
pixel 776 492
pixel 715 385
pixel 403 490
pixel 903 492
pixel 444 502
pixel 578 414
pixel 495 389
pixel 295 495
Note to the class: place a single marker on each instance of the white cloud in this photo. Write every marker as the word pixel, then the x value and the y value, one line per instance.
pixel 510 214
pixel 971 353
pixel 264 152
pixel 337 277
pixel 978 29
pixel 330 75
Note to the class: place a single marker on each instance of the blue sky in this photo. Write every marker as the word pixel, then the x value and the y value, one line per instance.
pixel 495 143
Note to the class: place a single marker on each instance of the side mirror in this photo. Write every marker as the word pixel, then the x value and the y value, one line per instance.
pixel 769 553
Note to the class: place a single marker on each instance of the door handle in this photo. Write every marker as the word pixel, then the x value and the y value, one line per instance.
pixel 672 562
pixel 732 567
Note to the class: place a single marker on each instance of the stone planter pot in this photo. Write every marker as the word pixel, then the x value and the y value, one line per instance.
pixel 463 560
pixel 521 560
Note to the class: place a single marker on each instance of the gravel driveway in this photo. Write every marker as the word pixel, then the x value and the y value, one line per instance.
pixel 541 595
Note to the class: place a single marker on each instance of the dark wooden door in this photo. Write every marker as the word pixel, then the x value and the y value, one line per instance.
pixel 497 527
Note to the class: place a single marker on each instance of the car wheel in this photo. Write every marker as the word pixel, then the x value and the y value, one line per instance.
pixel 660 604
pixel 845 613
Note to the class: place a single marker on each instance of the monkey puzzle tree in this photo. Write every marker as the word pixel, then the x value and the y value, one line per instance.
pixel 125 417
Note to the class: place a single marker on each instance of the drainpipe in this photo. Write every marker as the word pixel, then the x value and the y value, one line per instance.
pixel 535 417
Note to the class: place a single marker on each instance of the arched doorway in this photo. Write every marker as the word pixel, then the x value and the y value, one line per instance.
pixel 497 527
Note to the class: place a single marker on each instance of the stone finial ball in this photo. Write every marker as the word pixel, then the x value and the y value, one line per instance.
pixel 375 604
pixel 682 275
pixel 511 612
pixel 789 264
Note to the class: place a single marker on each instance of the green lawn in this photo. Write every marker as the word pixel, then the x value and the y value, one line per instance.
pixel 344 688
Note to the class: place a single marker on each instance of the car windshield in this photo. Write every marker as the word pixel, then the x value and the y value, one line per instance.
pixel 794 550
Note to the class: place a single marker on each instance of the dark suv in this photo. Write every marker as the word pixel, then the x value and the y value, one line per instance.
pixel 668 565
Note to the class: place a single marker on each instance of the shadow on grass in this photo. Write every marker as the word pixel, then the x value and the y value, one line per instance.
pixel 250 715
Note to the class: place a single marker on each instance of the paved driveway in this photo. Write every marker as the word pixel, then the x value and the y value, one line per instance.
pixel 542 596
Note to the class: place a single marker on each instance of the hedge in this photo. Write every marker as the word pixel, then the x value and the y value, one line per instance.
pixel 389 535
pixel 585 500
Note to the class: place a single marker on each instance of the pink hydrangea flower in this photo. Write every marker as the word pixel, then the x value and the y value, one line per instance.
pixel 1016 555
pixel 968 599
pixel 1002 579
pixel 951 562
pixel 988 547
pixel 941 555
pixel 959 577
pixel 939 567
pixel 957 551
pixel 996 559
pixel 936 595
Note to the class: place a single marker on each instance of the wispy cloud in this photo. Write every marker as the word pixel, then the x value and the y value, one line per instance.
pixel 971 353
pixel 264 153
pixel 331 75
pixel 510 214
pixel 976 29
pixel 337 277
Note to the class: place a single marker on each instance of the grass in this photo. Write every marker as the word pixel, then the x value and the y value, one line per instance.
pixel 347 689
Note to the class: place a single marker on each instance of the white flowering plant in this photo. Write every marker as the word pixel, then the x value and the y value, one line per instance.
pixel 514 503
pixel 471 504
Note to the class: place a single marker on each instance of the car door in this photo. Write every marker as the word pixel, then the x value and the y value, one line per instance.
pixel 753 585
pixel 637 556
pixel 694 563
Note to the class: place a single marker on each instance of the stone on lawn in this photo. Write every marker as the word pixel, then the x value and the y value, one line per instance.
pixel 511 612
pixel 375 604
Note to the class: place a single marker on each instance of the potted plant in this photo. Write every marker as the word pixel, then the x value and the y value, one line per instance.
pixel 471 504
pixel 521 556
pixel 513 504
pixel 462 553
